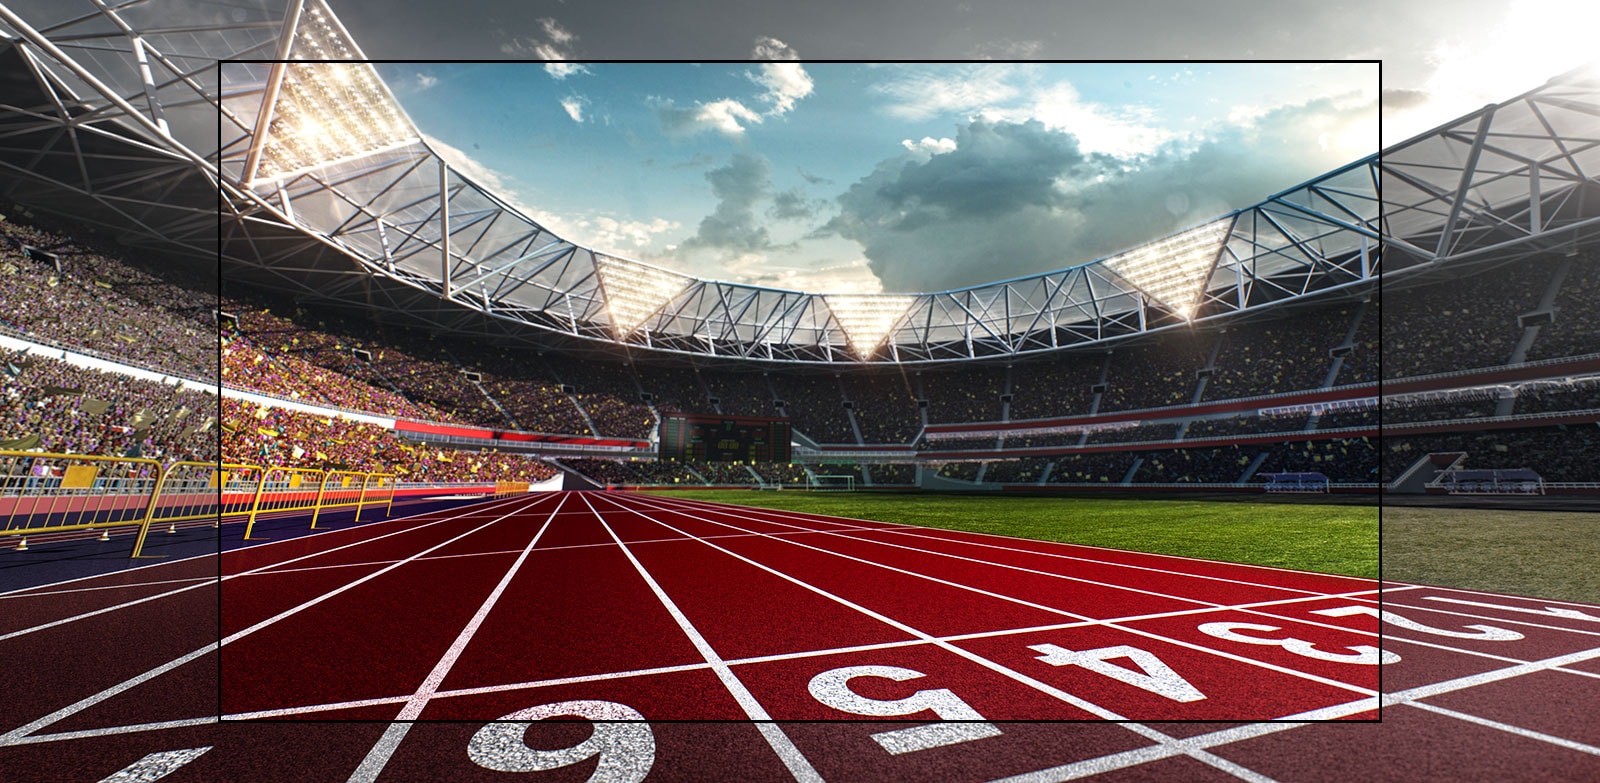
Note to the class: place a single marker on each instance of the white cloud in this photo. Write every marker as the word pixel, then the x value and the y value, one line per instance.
pixel 918 93
pixel 424 81
pixel 553 48
pixel 784 84
pixel 574 107
pixel 556 32
pixel 929 145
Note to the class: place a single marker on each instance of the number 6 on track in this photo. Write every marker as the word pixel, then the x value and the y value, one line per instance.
pixel 1157 676
pixel 833 689
pixel 626 750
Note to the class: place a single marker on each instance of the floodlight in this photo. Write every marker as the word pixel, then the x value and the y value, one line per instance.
pixel 634 291
pixel 328 111
pixel 867 318
pixel 1173 270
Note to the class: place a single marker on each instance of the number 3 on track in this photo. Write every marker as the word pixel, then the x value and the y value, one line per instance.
pixel 626 750
pixel 833 689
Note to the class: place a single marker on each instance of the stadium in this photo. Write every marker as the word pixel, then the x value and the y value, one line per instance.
pixel 451 496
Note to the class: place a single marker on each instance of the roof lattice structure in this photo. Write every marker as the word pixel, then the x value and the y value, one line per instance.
pixel 109 113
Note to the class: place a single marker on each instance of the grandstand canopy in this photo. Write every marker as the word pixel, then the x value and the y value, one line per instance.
pixel 330 192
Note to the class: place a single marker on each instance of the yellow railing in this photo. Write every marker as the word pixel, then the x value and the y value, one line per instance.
pixel 504 489
pixel 51 493
pixel 42 492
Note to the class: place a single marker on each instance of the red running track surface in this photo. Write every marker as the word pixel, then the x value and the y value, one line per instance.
pixel 647 638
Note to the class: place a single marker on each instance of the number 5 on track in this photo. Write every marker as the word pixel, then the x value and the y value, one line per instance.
pixel 833 689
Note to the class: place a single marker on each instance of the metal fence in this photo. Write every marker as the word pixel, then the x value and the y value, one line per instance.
pixel 43 493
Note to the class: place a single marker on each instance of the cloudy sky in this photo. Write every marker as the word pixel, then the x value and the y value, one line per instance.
pixel 834 176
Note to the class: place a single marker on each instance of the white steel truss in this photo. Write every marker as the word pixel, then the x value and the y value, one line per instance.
pixel 135 115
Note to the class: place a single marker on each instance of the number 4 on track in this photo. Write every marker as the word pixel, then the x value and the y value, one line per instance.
pixel 1154 675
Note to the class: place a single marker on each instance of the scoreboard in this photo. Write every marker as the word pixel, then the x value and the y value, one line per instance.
pixel 717 438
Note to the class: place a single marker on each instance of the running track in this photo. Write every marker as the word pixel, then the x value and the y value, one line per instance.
pixel 384 652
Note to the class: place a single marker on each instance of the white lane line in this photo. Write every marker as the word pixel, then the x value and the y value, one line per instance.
pixel 476 691
pixel 378 757
pixel 1509 728
pixel 1005 671
pixel 734 662
pixel 894 527
pixel 113 587
pixel 89 701
pixel 1238 658
pixel 130 729
pixel 931 535
pixel 1115 761
pixel 791 756
pixel 211 581
pixel 191 558
pixel 514 551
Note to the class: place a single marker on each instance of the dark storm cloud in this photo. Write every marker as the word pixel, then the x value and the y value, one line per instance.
pixel 1020 198
pixel 740 188
pixel 792 204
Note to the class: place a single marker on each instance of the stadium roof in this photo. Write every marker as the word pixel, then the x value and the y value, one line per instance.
pixel 111 115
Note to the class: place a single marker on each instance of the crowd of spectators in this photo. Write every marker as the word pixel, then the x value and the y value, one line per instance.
pixel 1333 420
pixel 961 471
pixel 1156 374
pixel 1282 355
pixel 1208 465
pixel 1468 404
pixel 262 435
pixel 1353 460
pixel 1027 470
pixel 674 389
pixel 1575 331
pixel 885 406
pixel 968 394
pixel 245 366
pixel 892 474
pixel 603 471
pixel 1465 323
pixel 53 406
pixel 85 299
pixel 816 407
pixel 607 392
pixel 1365 359
pixel 1051 389
pixel 749 394
pixel 1577 395
pixel 783 473
pixel 1103 468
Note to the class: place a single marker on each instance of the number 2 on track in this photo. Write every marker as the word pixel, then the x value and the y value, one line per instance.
pixel 626 750
pixel 833 689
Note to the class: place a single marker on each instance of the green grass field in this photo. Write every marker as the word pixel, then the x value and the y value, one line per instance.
pixel 1546 554
pixel 1334 539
